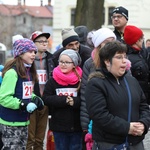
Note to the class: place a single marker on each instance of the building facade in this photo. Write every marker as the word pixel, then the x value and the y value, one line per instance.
pixel 138 15
pixel 22 19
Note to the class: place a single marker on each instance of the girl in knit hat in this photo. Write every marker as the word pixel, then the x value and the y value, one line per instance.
pixel 62 96
pixel 44 67
pixel 16 95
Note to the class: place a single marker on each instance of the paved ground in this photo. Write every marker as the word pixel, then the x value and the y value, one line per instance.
pixel 147 141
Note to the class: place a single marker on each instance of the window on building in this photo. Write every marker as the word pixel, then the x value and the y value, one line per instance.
pixel 24 20
pixel 103 15
pixel 72 16
pixel 110 10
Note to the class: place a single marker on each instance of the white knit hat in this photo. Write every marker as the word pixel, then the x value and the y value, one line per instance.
pixel 16 37
pixel 101 35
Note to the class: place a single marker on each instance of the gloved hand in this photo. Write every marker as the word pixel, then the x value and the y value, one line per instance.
pixel 29 107
pixel 88 141
pixel 38 102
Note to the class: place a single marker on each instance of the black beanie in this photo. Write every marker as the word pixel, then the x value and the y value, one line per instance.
pixel 69 35
pixel 121 10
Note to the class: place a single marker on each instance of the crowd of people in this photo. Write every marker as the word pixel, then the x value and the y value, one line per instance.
pixel 95 87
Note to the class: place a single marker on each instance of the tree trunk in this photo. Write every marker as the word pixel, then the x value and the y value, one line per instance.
pixel 89 13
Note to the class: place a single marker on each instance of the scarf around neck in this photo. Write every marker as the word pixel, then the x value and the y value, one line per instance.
pixel 66 79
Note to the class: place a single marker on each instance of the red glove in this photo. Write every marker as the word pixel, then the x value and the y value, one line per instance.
pixel 88 141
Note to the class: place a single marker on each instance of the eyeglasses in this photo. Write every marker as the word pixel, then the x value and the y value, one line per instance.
pixel 65 63
pixel 118 17
pixel 120 57
pixel 42 42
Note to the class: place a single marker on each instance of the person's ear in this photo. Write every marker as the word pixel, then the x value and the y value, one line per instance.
pixel 107 63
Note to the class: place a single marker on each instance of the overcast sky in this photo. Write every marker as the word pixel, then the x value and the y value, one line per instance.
pixel 28 2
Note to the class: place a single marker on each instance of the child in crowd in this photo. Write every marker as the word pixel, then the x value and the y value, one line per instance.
pixel 17 99
pixel 62 96
pixel 44 66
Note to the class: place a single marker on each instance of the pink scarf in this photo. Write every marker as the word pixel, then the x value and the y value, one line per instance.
pixel 66 79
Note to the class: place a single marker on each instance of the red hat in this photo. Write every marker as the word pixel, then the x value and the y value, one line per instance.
pixel 37 34
pixel 132 34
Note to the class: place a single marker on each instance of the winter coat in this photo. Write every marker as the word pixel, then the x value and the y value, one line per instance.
pixel 119 36
pixel 139 69
pixel 10 97
pixel 107 105
pixel 65 118
pixel 87 69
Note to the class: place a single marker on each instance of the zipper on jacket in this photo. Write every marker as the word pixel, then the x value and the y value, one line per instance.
pixel 118 81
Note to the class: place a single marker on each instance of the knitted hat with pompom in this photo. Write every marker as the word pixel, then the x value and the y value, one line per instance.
pixel 22 46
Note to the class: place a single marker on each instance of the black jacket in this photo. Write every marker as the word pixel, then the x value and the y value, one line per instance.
pixel 107 105
pixel 119 36
pixel 139 69
pixel 88 68
pixel 65 118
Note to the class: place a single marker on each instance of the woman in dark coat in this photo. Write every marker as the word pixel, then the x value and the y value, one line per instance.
pixel 107 100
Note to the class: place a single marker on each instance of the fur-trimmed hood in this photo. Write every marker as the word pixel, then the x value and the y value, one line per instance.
pixel 96 74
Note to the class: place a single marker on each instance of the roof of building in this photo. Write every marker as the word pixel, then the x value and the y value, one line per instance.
pixel 35 11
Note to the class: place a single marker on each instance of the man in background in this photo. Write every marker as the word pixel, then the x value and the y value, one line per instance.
pixel 70 40
pixel 119 20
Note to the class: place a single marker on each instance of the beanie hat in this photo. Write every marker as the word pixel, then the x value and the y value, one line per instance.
pixel 121 10
pixel 22 46
pixel 132 34
pixel 75 57
pixel 16 37
pixel 69 35
pixel 37 34
pixel 101 35
pixel 89 38
pixel 82 32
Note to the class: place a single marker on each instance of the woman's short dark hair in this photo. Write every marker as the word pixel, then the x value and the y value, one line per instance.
pixel 109 50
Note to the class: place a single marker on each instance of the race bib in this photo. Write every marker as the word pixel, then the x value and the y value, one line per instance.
pixel 27 89
pixel 42 76
pixel 67 92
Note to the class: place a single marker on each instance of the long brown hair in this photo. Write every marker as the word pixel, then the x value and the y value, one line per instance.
pixel 96 59
pixel 21 70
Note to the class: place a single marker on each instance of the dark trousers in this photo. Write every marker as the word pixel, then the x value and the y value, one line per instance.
pixel 68 141
pixel 1 143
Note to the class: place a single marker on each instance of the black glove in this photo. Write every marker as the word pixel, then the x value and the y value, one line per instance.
pixel 23 105
pixel 38 102
pixel 29 107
